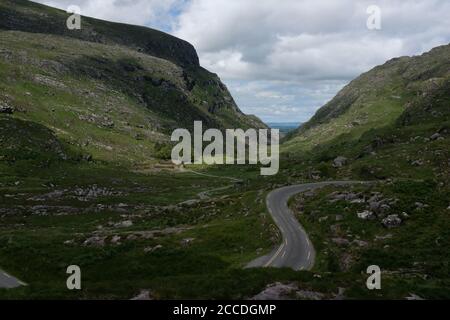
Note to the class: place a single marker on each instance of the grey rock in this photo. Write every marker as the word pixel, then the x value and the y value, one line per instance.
pixel 360 243
pixel 385 237
pixel 340 241
pixel 391 221
pixel 188 241
pixel 153 249
pixel 366 215
pixel 124 224
pixel 309 295
pixel 340 162
pixel 116 239
pixel 435 136
pixel 4 108
pixel 95 241
pixel 277 291
pixel 144 295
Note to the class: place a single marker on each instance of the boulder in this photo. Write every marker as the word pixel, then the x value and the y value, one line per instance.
pixel 276 291
pixel 340 162
pixel 4 108
pixel 391 221
pixel 115 239
pixel 436 136
pixel 366 215
pixel 340 241
pixel 186 242
pixel 144 295
pixel 95 241
pixel 153 249
pixel 124 224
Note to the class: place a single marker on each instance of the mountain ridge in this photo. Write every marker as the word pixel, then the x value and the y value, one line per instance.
pixel 105 96
pixel 376 98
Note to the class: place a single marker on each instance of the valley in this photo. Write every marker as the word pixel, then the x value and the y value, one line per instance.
pixel 86 176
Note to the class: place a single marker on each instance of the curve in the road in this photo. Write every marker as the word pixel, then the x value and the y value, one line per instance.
pixel 296 251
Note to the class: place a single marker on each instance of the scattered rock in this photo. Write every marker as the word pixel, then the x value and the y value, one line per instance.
pixel 340 162
pixel 436 136
pixel 385 237
pixel 116 239
pixel 144 295
pixel 4 108
pixel 186 242
pixel 340 241
pixel 277 291
pixel 392 221
pixel 360 243
pixel 420 206
pixel 366 215
pixel 153 249
pixel 95 241
pixel 124 224
pixel 309 295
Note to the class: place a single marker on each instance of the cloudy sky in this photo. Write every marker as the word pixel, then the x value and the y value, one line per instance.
pixel 282 60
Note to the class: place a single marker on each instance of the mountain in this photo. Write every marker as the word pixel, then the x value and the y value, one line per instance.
pixel 113 91
pixel 391 122
pixel 404 91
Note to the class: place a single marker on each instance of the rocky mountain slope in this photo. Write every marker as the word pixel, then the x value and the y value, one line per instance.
pixel 403 91
pixel 111 90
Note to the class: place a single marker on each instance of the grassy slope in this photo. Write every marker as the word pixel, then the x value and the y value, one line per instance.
pixel 385 132
pixel 111 101
pixel 374 100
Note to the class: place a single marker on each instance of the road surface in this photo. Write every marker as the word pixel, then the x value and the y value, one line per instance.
pixel 296 251
pixel 9 282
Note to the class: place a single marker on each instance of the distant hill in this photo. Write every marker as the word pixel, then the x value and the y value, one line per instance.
pixel 114 91
pixel 284 127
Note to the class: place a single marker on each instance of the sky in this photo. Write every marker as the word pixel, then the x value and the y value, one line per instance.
pixel 282 60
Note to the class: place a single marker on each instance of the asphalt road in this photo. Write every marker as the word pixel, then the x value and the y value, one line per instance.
pixel 9 282
pixel 296 251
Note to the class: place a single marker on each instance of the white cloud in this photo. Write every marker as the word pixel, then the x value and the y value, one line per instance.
pixel 304 46
pixel 286 54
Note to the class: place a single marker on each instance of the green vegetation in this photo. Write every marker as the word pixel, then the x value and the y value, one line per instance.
pixel 412 256
pixel 84 176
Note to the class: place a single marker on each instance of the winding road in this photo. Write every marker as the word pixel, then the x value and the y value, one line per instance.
pixel 296 251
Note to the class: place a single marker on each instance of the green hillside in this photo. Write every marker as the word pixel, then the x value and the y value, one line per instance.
pixel 402 88
pixel 105 95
